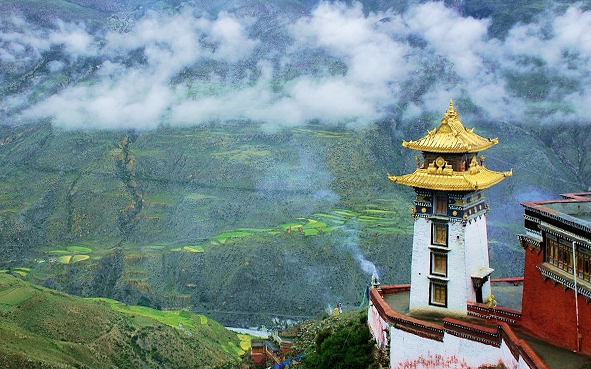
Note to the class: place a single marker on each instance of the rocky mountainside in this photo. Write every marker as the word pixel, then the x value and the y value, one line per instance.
pixel 239 225
pixel 231 157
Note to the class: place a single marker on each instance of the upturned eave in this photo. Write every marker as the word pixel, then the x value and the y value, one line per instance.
pixel 455 181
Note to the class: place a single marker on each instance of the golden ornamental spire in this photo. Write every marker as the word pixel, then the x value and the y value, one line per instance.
pixel 451 112
pixel 451 137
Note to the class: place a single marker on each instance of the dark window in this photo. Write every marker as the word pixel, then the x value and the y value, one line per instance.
pixel 441 204
pixel 583 264
pixel 439 263
pixel 559 252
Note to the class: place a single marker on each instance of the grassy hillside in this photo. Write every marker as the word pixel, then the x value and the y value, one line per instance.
pixel 45 328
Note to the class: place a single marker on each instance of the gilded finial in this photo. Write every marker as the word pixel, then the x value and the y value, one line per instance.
pixel 451 115
pixel 451 111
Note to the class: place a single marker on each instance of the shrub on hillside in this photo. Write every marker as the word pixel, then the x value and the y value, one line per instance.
pixel 348 348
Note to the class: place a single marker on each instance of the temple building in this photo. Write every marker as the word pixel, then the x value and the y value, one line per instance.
pixel 557 275
pixel 450 263
pixel 448 316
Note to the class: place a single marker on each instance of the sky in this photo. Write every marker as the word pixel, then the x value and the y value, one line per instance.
pixel 336 65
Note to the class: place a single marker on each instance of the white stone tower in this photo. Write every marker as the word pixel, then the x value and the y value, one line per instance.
pixel 450 263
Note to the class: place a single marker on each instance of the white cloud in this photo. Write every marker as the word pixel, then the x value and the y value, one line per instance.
pixel 19 43
pixel 573 31
pixel 450 35
pixel 75 40
pixel 131 102
pixel 379 67
pixel 55 65
pixel 231 36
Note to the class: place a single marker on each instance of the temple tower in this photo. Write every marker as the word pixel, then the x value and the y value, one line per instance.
pixel 450 262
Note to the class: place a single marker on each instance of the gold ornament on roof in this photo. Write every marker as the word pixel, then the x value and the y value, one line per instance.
pixel 451 137
pixel 474 167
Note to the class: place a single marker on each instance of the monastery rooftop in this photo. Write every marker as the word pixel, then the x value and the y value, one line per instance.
pixel 456 168
pixel 508 294
pixel 574 207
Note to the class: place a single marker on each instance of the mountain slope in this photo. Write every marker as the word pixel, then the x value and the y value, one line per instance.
pixel 148 217
pixel 45 328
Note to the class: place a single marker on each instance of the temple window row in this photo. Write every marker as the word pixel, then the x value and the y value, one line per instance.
pixel 438 260
pixel 559 252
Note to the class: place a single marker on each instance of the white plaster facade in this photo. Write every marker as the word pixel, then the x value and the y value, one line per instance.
pixel 467 250
pixel 378 327
pixel 409 350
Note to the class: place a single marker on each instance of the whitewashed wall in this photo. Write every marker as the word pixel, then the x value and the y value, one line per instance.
pixel 411 351
pixel 419 293
pixel 468 244
pixel 476 254
pixel 378 326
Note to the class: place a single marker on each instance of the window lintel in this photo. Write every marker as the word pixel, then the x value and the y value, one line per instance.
pixel 438 279
pixel 442 249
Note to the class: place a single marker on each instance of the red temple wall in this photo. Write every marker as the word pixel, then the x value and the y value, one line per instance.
pixel 548 310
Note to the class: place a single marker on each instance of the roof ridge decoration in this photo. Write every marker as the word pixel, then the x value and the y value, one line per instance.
pixel 451 137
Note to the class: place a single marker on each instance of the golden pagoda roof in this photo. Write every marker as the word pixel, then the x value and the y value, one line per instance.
pixel 451 137
pixel 440 176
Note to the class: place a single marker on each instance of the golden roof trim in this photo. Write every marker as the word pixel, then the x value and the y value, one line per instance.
pixel 477 178
pixel 451 137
